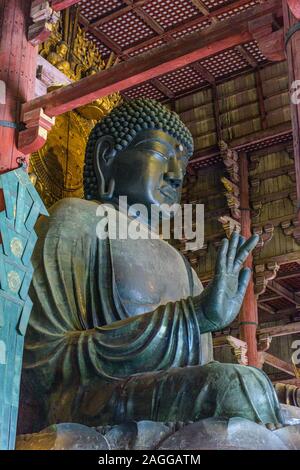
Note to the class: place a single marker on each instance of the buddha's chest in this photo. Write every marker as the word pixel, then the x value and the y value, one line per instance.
pixel 148 273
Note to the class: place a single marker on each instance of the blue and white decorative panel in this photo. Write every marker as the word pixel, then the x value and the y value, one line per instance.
pixel 22 208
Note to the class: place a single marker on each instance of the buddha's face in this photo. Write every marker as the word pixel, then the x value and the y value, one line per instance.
pixel 150 171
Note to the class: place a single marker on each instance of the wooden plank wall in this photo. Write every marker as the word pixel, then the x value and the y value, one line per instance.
pixel 272 175
pixel 242 112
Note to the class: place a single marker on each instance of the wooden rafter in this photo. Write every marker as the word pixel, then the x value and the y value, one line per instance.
pixel 201 7
pixel 283 276
pixel 183 51
pixel 281 330
pixel 204 73
pixel 165 35
pixel 288 381
pixel 247 56
pixel 283 292
pixel 269 298
pixel 278 363
pixel 266 308
pixel 108 42
pixel 162 88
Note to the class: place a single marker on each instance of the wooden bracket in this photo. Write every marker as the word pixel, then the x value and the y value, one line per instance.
pixel 239 349
pixel 265 234
pixel 43 18
pixel 232 194
pixel 294 7
pixel 270 41
pixel 230 159
pixel 264 274
pixel 291 228
pixel 38 124
pixel 264 342
pixel 229 225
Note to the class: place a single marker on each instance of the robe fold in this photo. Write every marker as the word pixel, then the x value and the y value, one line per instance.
pixel 89 361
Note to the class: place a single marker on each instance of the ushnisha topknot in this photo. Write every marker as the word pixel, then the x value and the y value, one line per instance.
pixel 123 124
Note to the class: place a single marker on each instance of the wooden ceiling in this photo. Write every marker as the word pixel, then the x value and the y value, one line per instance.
pixel 132 27
pixel 282 296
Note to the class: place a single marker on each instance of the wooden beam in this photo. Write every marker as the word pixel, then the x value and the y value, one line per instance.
pixel 278 363
pixel 271 331
pixel 283 292
pixel 270 297
pixel 194 22
pixel 199 45
pixel 217 114
pixel 59 5
pixel 201 7
pixel 187 24
pixel 105 19
pixel 163 88
pixel 294 381
pixel 287 275
pixel 280 330
pixel 108 42
pixel 204 73
pixel 149 21
pixel 266 308
pixel 248 318
pixel 247 56
pixel 261 99
pixel 262 137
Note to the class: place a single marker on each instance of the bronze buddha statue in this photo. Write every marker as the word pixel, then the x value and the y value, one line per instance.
pixel 121 329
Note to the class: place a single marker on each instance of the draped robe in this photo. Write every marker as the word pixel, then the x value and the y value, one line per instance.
pixel 114 334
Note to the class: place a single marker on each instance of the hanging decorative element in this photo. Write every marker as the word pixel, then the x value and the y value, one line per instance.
pixel 17 240
pixel 232 190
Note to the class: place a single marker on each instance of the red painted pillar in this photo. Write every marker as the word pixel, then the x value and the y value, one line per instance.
pixel 248 315
pixel 292 35
pixel 17 73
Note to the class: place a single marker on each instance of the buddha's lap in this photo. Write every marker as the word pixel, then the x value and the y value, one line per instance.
pixel 182 394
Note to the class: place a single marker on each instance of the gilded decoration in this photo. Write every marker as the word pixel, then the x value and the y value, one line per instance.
pixel 57 167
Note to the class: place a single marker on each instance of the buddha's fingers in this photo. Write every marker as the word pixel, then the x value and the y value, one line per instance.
pixel 244 278
pixel 233 244
pixel 244 251
pixel 241 242
pixel 221 257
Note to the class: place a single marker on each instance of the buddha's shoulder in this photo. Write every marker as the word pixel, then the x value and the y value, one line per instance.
pixel 70 214
pixel 73 206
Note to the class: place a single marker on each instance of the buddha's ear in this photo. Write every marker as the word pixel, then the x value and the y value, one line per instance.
pixel 104 150
pixel 104 155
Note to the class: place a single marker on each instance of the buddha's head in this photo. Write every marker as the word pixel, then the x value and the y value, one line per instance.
pixel 140 150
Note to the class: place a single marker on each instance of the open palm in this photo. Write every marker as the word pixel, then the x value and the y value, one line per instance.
pixel 223 297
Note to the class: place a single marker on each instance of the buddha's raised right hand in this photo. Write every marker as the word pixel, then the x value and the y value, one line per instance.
pixel 220 302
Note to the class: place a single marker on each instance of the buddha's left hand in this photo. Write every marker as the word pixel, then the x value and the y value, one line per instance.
pixel 220 302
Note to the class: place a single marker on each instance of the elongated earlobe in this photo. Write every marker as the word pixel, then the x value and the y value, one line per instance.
pixel 103 157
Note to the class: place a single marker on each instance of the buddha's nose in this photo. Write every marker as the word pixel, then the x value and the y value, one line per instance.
pixel 174 181
pixel 174 175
